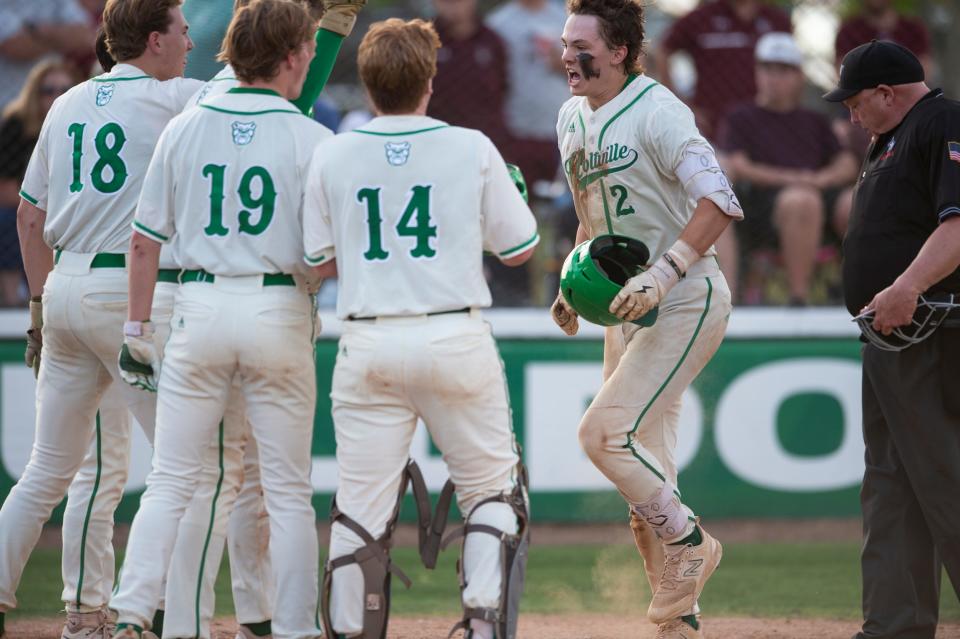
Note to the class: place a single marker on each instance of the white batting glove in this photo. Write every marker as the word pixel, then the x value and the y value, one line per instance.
pixel 139 357
pixel 642 293
pixel 31 356
pixel 564 316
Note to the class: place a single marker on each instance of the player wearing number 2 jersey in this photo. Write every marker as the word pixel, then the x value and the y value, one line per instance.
pixel 232 206
pixel 78 198
pixel 638 167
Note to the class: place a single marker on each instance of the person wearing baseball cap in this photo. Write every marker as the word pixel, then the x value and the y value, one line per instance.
pixel 901 264
pixel 788 167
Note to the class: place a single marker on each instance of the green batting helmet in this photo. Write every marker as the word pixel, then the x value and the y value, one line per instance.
pixel 594 273
pixel 517 176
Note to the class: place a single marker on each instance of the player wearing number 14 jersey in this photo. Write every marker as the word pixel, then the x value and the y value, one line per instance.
pixel 405 206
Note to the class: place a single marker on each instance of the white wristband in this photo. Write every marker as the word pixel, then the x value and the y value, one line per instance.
pixel 673 265
pixel 136 328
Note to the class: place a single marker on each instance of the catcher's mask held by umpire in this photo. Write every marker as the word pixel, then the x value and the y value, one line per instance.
pixel 596 270
pixel 933 309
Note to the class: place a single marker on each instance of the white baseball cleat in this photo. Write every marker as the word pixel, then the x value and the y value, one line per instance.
pixel 680 629
pixel 686 569
pixel 87 625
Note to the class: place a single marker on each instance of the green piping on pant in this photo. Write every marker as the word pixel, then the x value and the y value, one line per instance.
pixel 86 518
pixel 686 351
pixel 206 542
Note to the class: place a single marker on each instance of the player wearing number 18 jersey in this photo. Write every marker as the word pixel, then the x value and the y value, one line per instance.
pixel 78 198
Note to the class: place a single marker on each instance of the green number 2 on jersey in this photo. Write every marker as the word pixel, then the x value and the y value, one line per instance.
pixel 108 142
pixel 414 222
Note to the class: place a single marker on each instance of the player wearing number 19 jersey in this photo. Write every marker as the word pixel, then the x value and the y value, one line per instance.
pixel 78 198
pixel 232 206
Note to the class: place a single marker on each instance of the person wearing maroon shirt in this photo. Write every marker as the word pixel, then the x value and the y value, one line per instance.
pixel 879 20
pixel 470 87
pixel 720 37
pixel 786 162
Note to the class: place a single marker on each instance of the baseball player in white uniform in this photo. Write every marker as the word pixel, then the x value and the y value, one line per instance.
pixel 404 207
pixel 78 199
pixel 231 504
pixel 241 309
pixel 88 562
pixel 637 166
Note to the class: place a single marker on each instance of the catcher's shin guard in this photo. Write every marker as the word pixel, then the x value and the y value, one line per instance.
pixel 513 561
pixel 374 561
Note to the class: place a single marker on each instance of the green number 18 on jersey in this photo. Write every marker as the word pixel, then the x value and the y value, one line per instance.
pixel 108 142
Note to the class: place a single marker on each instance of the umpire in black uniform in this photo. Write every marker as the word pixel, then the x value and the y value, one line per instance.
pixel 903 243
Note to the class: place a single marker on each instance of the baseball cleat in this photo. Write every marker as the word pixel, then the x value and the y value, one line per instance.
pixel 686 569
pixel 680 629
pixel 87 625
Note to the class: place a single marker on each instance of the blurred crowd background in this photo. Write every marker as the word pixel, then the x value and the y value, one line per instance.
pixel 751 70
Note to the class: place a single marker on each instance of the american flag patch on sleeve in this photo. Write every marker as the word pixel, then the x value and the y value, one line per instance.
pixel 953 150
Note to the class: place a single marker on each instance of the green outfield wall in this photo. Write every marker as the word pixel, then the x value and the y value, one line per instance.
pixel 771 428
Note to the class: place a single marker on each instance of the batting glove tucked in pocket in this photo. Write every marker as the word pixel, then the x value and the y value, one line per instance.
pixel 34 336
pixel 139 357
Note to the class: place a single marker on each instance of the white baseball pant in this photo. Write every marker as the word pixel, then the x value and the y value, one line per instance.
pixel 233 326
pixel 446 370
pixel 630 429
pixel 83 313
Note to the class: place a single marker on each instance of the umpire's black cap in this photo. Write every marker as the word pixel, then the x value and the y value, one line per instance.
pixel 872 64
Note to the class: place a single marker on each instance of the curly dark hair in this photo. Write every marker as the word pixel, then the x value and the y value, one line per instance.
pixel 621 25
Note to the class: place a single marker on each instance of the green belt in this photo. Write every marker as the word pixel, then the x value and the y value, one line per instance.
pixel 100 260
pixel 119 260
pixel 269 279
pixel 169 275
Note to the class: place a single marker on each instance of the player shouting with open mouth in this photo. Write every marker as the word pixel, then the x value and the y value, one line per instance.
pixel 638 167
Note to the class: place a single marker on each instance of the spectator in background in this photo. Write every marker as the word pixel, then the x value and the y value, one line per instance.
pixel 879 20
pixel 31 30
pixel 85 60
pixel 720 36
pixel 471 81
pixel 19 131
pixel 537 83
pixel 786 162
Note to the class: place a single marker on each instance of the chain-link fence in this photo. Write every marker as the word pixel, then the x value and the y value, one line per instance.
pixel 792 156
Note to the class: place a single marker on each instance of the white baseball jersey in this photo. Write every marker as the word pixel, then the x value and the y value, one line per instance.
pixel 90 160
pixel 621 160
pixel 219 84
pixel 233 200
pixel 407 205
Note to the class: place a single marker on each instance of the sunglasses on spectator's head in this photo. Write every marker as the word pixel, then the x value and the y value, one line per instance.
pixel 57 89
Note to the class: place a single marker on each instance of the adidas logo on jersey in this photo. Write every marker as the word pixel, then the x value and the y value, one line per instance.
pixel 105 93
pixel 572 129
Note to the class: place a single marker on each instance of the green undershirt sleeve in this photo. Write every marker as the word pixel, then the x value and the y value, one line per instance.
pixel 328 47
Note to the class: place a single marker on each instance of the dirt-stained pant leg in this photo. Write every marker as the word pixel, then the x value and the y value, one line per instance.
pixel 382 382
pixel 659 363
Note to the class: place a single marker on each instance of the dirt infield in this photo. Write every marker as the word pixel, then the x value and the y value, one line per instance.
pixel 579 626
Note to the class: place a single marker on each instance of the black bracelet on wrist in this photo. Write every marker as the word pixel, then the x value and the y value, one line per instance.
pixel 673 264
